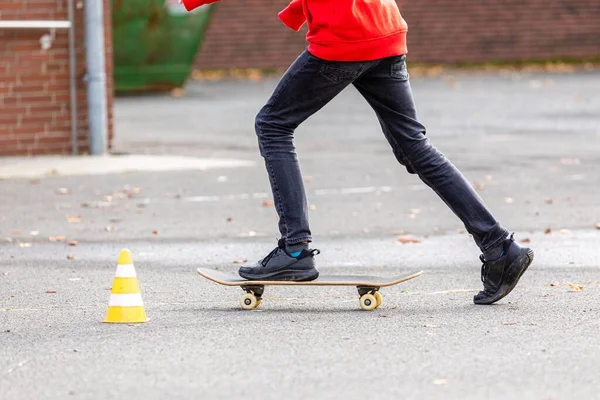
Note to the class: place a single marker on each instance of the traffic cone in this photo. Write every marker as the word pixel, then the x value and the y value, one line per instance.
pixel 125 305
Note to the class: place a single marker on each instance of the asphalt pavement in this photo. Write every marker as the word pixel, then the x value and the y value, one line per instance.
pixel 528 142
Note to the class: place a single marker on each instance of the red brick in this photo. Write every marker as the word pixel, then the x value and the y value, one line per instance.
pixel 34 84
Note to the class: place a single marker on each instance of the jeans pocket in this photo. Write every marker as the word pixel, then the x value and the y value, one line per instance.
pixel 398 68
pixel 337 72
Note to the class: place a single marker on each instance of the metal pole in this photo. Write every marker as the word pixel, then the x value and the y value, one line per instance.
pixel 72 79
pixel 96 76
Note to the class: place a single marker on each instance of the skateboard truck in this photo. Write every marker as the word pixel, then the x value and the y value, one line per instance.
pixel 253 296
pixel 370 298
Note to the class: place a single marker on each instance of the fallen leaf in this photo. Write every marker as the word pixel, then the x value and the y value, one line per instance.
pixel 24 245
pixel 57 238
pixel 62 191
pixel 109 228
pixel 440 381
pixel 229 219
pixel 155 232
pixel 74 219
pixel 406 239
pixel 177 92
pixel 575 287
pixel 598 226
pixel 51 291
pixel 548 231
pixel 73 243
pixel 509 323
pixel 70 256
pixel 478 186
pixel 268 203
pixel 548 200
pixel 239 260
pixel 526 240
pixel 570 161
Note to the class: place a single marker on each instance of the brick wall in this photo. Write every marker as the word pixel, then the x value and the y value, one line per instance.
pixel 35 115
pixel 440 31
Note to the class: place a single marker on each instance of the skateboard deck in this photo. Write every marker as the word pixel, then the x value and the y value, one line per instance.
pixel 368 286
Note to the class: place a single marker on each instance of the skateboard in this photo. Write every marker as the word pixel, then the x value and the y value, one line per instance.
pixel 368 286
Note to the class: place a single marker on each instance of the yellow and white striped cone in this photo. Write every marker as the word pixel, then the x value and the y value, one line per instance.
pixel 125 305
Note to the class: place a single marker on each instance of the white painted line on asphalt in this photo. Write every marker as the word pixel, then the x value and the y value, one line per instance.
pixel 319 192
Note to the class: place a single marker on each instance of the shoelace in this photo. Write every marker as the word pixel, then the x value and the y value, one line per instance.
pixel 269 256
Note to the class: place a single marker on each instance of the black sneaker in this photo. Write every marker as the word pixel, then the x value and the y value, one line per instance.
pixel 500 276
pixel 279 265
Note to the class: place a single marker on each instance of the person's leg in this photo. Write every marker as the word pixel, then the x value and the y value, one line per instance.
pixel 308 85
pixel 387 89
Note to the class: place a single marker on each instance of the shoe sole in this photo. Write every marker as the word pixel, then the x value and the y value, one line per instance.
pixel 284 275
pixel 510 281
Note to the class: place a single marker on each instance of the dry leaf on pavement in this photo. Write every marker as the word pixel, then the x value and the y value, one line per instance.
pixel 73 243
pixel 62 191
pixel 74 219
pixel 155 232
pixel 109 228
pixel 70 256
pixel 51 291
pixel 575 287
pixel 526 240
pixel 407 239
pixel 268 203
pixel 548 231
pixel 57 238
pixel 239 260
pixel 598 226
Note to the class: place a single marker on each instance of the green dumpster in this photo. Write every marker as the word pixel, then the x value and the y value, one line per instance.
pixel 155 43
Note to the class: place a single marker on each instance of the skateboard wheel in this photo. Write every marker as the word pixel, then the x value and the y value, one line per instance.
pixel 379 298
pixel 249 301
pixel 368 302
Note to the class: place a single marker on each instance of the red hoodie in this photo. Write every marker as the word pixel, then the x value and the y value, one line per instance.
pixel 344 30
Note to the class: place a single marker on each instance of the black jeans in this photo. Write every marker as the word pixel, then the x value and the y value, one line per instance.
pixel 308 85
